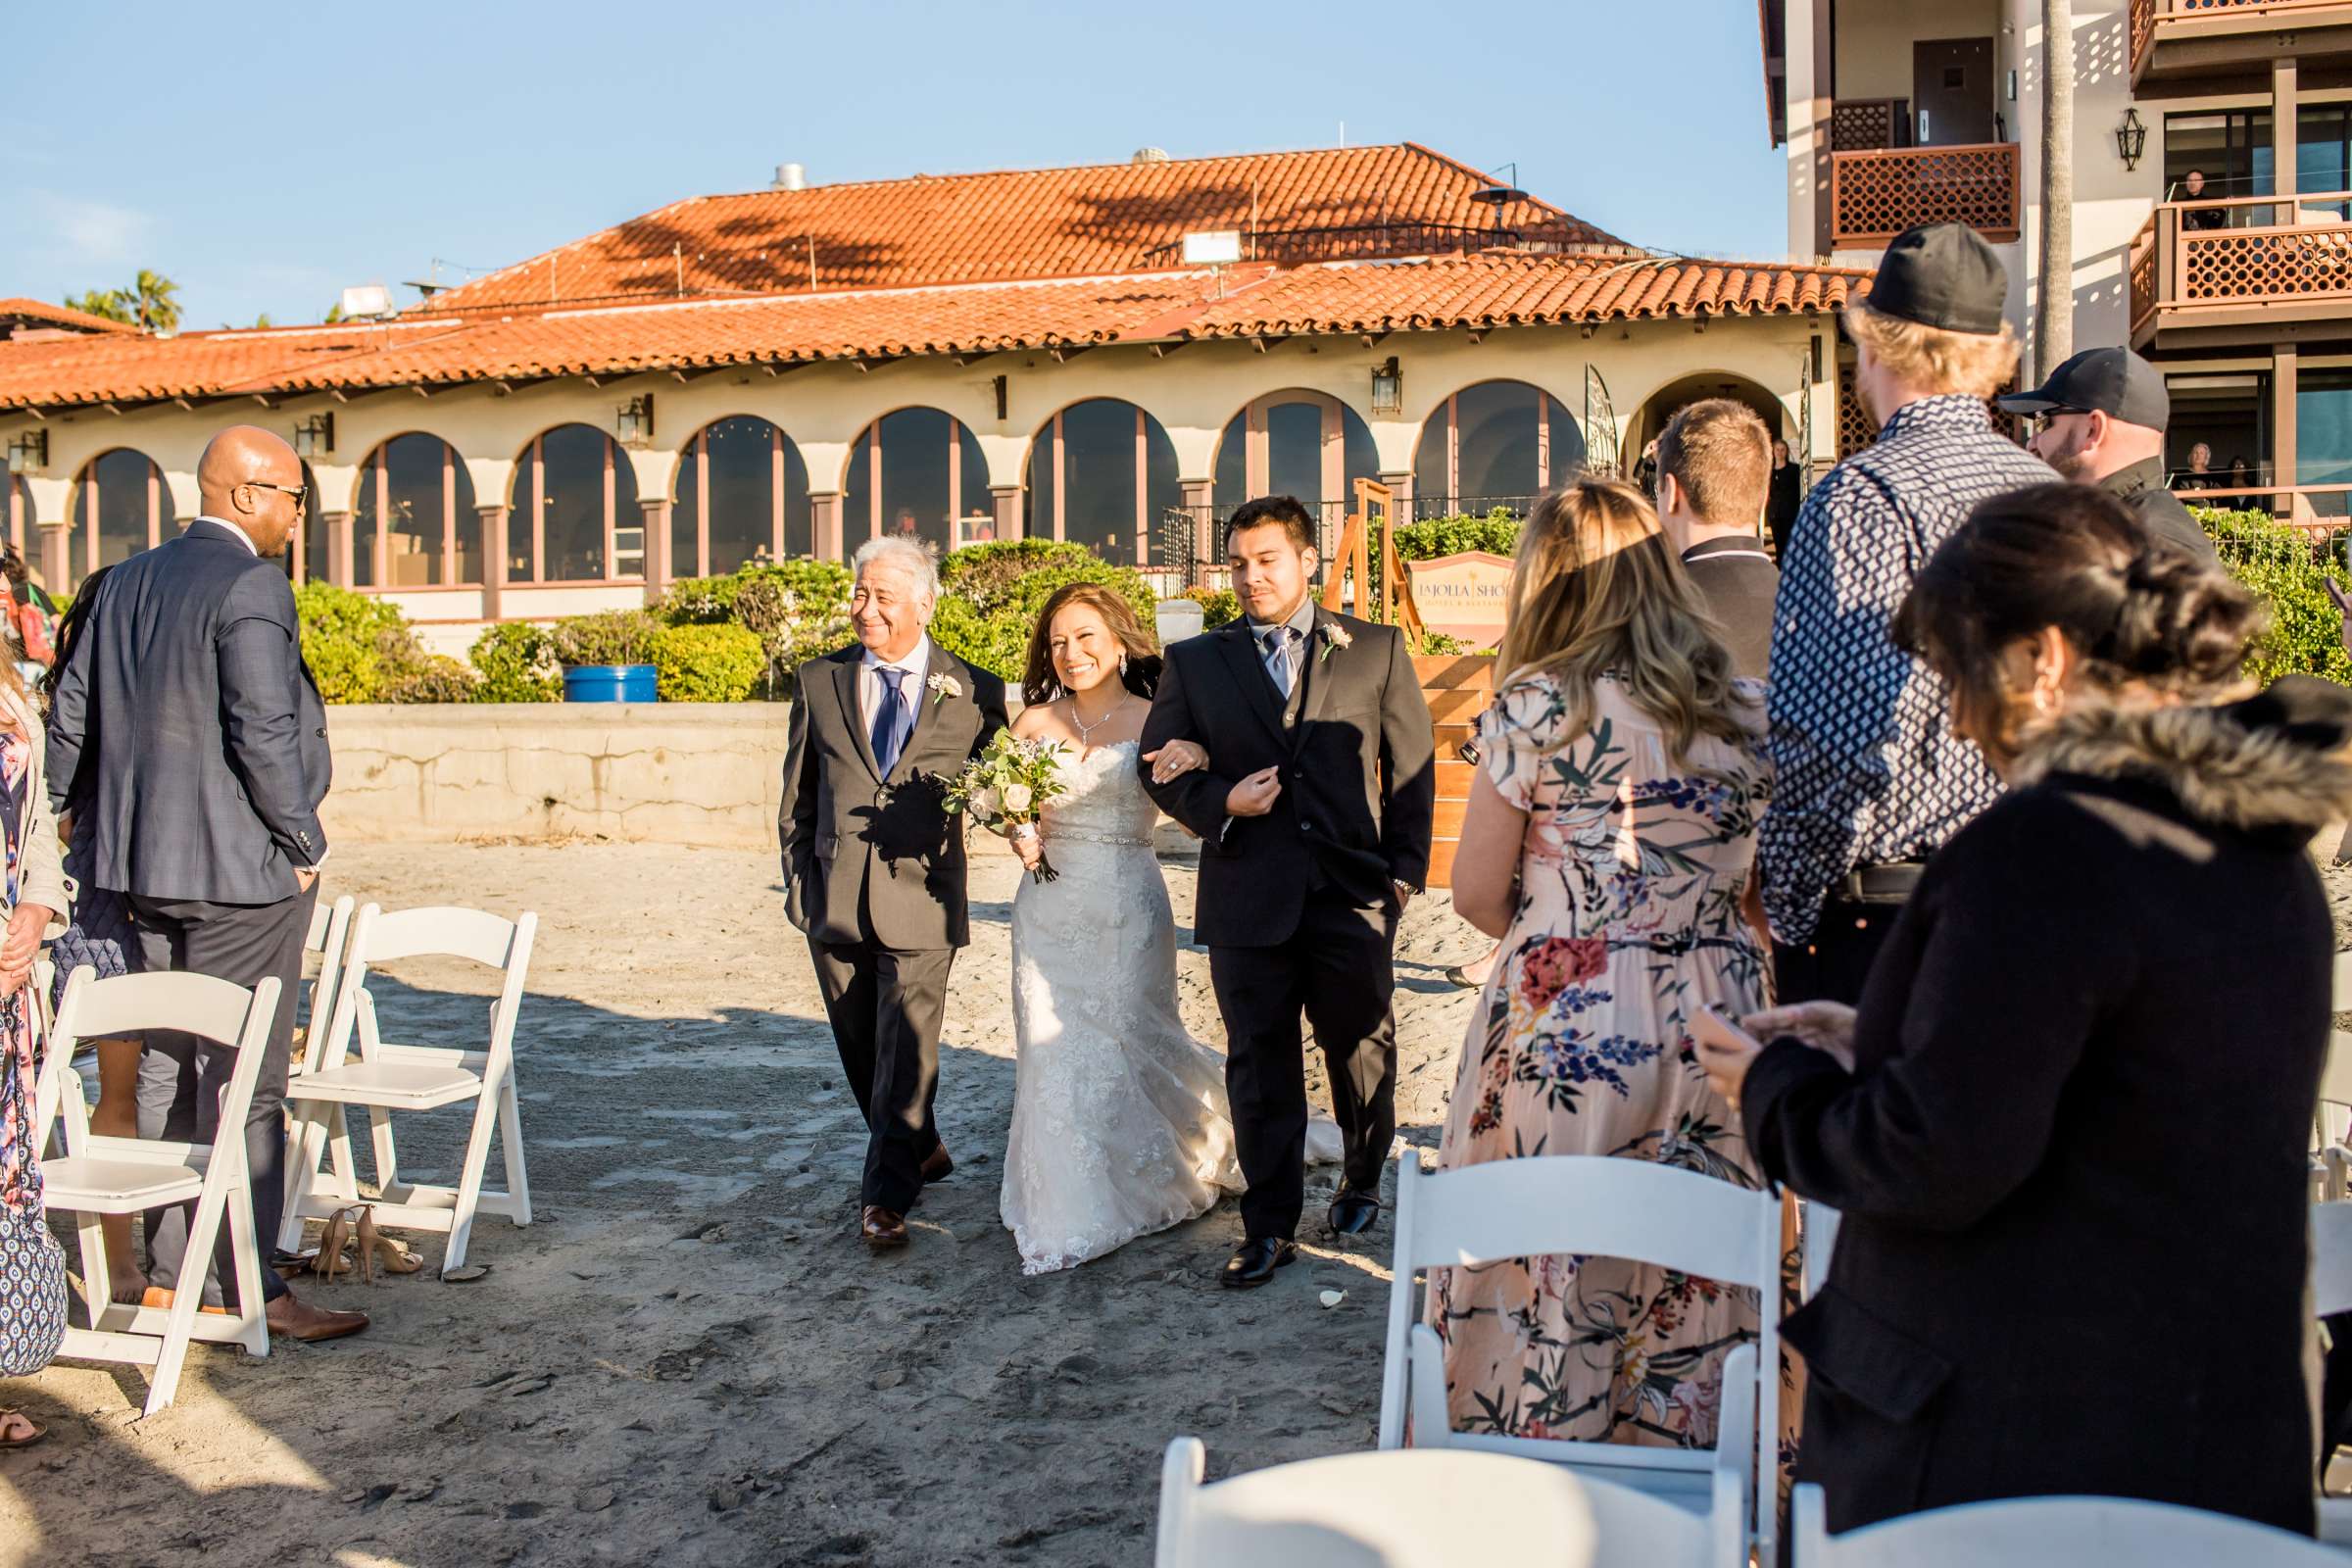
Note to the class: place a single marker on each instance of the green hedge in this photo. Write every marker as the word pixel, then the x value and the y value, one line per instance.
pixel 2290 570
pixel 798 609
pixel 715 663
pixel 360 649
pixel 515 662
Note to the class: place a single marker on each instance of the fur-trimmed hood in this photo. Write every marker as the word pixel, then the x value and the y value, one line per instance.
pixel 2280 760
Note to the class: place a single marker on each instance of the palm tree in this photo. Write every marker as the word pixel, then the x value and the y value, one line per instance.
pixel 156 298
pixel 105 302
pixel 2054 310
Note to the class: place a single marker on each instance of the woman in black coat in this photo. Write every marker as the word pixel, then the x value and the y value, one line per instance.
pixel 2068 1125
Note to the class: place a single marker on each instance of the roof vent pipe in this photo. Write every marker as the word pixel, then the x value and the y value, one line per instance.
pixel 790 177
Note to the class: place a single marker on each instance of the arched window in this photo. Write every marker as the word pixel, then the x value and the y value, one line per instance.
pixel 933 478
pixel 574 514
pixel 1495 443
pixel 742 496
pixel 1101 474
pixel 414 524
pixel 119 507
pixel 1304 444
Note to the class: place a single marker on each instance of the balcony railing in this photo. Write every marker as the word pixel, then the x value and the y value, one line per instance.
pixel 2155 22
pixel 1875 196
pixel 2215 258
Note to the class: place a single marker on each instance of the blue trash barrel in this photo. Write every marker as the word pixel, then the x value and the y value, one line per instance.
pixel 610 683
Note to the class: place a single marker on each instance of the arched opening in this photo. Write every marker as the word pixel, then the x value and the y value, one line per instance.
pixel 742 495
pixel 572 511
pixel 932 482
pixel 1496 444
pixel 1294 443
pixel 1660 408
pixel 119 507
pixel 414 522
pixel 1101 473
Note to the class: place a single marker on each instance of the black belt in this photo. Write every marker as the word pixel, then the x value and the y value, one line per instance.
pixel 1879 884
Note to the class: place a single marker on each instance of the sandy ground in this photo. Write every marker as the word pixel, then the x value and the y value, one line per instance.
pixel 690 1357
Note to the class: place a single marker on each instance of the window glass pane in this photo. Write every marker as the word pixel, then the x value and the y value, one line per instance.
pixel 2232 152
pixel 628 517
pixel 363 524
pixel 1295 453
pixel 915 498
pixel 2224 422
pixel 1567 446
pixel 572 506
pixel 2323 156
pixel 522 559
pixel 1036 499
pixel 415 508
pixel 1362 458
pixel 1499 442
pixel 117 484
pixel 1433 497
pixel 1232 478
pixel 469 526
pixel 742 489
pixel 1099 466
pixel 1161 493
pixel 976 508
pixel 311 540
pixel 2323 432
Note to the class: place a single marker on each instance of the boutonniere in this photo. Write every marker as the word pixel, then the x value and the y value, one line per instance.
pixel 944 687
pixel 1334 635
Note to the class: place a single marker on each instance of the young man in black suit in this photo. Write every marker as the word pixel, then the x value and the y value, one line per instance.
pixel 1714 467
pixel 1314 817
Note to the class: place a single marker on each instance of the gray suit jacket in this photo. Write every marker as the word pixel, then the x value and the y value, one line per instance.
pixel 854 840
pixel 188 728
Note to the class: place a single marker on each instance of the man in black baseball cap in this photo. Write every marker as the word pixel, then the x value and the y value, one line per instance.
pixel 2101 420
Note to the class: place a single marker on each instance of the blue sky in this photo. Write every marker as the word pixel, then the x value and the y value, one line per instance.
pixel 267 156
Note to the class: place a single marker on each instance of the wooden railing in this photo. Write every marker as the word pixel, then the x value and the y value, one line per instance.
pixel 1867 124
pixel 2320 509
pixel 2150 18
pixel 2290 255
pixel 1875 196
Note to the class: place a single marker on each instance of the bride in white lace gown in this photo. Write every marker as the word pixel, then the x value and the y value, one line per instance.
pixel 1120 1121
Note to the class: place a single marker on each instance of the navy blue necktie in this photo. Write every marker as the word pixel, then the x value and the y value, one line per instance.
pixel 892 723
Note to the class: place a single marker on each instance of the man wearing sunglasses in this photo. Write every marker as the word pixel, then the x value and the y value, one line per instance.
pixel 2101 420
pixel 186 724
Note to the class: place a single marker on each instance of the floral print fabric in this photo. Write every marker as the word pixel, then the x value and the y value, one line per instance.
pixel 1629 922
pixel 20 1161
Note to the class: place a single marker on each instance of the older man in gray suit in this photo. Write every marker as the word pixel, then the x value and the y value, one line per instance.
pixel 186 724
pixel 873 863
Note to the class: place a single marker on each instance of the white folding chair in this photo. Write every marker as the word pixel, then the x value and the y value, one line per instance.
pixel 1819 1229
pixel 2052 1533
pixel 100 1176
pixel 2331 1159
pixel 387 1077
pixel 330 933
pixel 1411 1509
pixel 2331 1294
pixel 1610 1208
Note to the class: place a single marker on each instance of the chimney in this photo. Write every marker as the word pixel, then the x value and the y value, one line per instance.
pixel 1149 155
pixel 790 177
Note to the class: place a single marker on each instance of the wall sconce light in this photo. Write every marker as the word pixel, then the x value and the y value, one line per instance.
pixel 314 437
pixel 2132 137
pixel 636 420
pixel 1000 386
pixel 29 452
pixel 1388 388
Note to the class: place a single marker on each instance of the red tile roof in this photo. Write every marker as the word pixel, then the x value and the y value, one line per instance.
pixel 1491 290
pixel 39 313
pixel 1085 221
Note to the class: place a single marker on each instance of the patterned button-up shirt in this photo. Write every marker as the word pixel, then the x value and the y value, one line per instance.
pixel 1867 769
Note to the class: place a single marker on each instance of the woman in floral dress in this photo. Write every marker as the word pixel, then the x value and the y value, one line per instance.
pixel 1608 844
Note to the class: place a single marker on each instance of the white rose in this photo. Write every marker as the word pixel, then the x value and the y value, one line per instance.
pixel 985 801
pixel 1017 797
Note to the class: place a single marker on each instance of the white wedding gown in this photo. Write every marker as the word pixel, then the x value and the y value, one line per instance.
pixel 1119 1120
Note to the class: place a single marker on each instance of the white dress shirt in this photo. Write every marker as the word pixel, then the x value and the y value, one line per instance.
pixel 243 537
pixel 870 689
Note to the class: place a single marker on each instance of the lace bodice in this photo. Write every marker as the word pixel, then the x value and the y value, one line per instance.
pixel 1105 802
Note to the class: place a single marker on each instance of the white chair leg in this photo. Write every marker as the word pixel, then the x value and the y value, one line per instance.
pixel 188 1291
pixel 90 1234
pixel 509 1138
pixel 470 1178
pixel 305 1143
pixel 387 1163
pixel 1430 1422
pixel 253 1321
pixel 338 1147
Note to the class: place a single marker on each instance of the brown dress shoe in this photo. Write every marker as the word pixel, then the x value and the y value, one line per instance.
pixel 937 1167
pixel 310 1324
pixel 881 1227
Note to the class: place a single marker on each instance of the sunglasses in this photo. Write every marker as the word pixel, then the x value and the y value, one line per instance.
pixel 302 497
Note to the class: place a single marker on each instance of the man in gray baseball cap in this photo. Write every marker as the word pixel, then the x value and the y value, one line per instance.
pixel 2101 420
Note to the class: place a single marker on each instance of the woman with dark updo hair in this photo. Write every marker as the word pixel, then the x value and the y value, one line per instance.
pixel 2067 1126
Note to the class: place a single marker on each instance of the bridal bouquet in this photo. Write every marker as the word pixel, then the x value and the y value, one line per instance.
pixel 1006 788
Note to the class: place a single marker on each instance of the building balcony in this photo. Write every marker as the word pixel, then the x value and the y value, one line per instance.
pixel 2179 40
pixel 2235 270
pixel 1876 193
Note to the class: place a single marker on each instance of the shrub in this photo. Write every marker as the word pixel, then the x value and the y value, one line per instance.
pixel 614 637
pixel 798 609
pixel 2290 570
pixel 1496 533
pixel 695 664
pixel 515 662
pixel 354 645
pixel 988 606
pixel 434 678
pixel 1218 606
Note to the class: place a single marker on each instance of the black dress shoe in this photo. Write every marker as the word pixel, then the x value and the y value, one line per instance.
pixel 1252 1263
pixel 1353 1211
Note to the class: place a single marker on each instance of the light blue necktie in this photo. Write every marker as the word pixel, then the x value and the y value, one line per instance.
pixel 892 722
pixel 1278 658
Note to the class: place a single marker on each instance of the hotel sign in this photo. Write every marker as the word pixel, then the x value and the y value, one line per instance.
pixel 1462 596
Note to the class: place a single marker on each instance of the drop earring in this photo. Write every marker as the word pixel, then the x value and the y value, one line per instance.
pixel 1122 666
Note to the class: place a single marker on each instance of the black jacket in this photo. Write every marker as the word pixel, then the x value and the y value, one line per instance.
pixel 1358 786
pixel 2070 1157
pixel 1739 583
pixel 2141 487
pixel 188 728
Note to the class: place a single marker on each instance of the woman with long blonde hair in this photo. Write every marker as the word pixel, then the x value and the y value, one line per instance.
pixel 1608 843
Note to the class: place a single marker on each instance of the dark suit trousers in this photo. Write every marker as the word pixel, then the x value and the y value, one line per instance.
pixel 1338 968
pixel 1833 964
pixel 181 1077
pixel 885 1007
